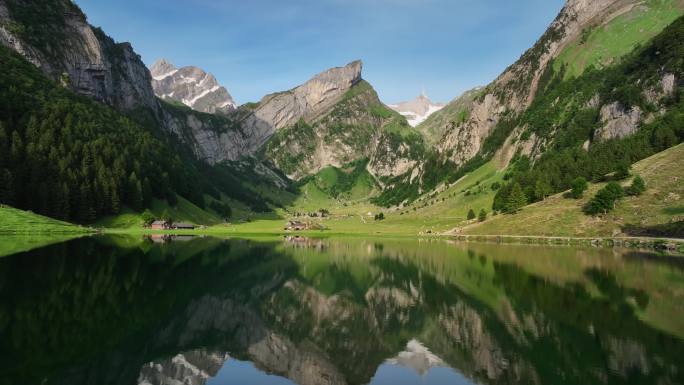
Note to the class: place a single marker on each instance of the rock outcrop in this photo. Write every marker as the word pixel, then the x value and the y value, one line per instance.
pixel 617 121
pixel 306 102
pixel 85 59
pixel 191 368
pixel 355 126
pixel 191 86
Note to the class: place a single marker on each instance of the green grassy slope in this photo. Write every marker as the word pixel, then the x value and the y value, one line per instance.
pixel 14 221
pixel 22 231
pixel 184 211
pixel 661 207
pixel 449 205
pixel 602 45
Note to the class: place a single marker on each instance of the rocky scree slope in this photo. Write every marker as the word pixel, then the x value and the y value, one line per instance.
pixel 191 86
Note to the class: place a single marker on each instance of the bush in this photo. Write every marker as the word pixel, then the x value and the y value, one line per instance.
pixel 483 215
pixel 380 217
pixel 471 214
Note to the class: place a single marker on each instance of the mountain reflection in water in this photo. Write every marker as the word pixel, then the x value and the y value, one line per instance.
pixel 115 310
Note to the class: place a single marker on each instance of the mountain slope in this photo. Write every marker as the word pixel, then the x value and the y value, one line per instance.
pixel 578 24
pixel 497 122
pixel 659 212
pixel 191 86
pixel 357 127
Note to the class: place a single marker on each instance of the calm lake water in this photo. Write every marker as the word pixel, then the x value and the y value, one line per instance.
pixel 297 311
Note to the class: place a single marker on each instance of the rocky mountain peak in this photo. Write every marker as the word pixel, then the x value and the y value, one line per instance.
pixel 161 67
pixel 191 86
pixel 417 110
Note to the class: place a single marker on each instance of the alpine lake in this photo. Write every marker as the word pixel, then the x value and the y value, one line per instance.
pixel 294 310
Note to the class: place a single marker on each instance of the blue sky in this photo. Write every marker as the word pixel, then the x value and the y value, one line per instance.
pixel 255 47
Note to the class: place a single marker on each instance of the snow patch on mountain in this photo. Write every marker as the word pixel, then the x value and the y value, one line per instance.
pixel 417 110
pixel 191 86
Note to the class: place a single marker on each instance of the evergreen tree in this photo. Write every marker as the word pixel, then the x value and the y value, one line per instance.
pixel 148 217
pixel 483 215
pixel 542 189
pixel 622 170
pixel 135 193
pixel 516 199
pixel 637 188
pixel 605 199
pixel 579 186
pixel 6 187
pixel 166 216
pixel 471 214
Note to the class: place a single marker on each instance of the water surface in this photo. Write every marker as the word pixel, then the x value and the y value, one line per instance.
pixel 118 310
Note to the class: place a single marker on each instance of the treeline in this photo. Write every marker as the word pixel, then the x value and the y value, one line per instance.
pixel 568 124
pixel 71 158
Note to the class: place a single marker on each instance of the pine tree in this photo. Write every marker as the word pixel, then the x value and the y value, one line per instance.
pixel 516 199
pixel 542 189
pixel 579 186
pixel 483 215
pixel 4 147
pixel 135 195
pixel 471 214
pixel 6 187
pixel 637 188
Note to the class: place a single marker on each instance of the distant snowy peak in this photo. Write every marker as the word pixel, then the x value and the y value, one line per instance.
pixel 417 110
pixel 417 357
pixel 191 86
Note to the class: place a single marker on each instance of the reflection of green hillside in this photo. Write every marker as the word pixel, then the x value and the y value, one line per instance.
pixel 499 314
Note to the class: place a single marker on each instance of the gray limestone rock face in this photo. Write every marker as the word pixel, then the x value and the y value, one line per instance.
pixel 191 86
pixel 515 89
pixel 86 60
pixel 283 109
pixel 618 122
pixel 191 368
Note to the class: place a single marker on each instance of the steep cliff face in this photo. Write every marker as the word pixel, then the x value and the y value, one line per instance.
pixel 279 110
pixel 55 36
pixel 515 90
pixel 191 86
pixel 357 126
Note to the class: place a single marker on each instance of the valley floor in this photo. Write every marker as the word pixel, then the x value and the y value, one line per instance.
pixel 657 213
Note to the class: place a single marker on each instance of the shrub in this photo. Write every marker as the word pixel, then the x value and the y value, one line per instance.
pixel 483 215
pixel 380 217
